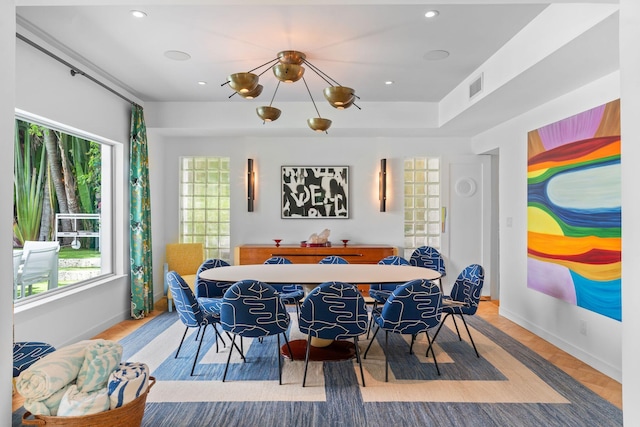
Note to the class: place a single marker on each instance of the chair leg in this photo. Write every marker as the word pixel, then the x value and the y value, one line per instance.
pixel 469 333
pixel 195 360
pixel 226 368
pixel 433 352
pixel 456 325
pixel 306 361
pixel 371 342
pixel 181 341
pixel 430 348
pixel 279 362
pixel 373 307
pixel 413 340
pixel 224 343
pixel 233 344
pixel 286 340
pixel 198 332
pixel 386 357
pixel 355 342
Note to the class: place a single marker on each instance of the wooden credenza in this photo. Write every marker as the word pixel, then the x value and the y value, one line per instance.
pixel 354 254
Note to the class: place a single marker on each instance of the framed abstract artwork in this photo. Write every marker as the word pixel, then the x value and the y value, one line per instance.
pixel 315 191
pixel 574 210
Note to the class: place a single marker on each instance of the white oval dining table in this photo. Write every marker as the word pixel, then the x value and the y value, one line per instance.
pixel 310 275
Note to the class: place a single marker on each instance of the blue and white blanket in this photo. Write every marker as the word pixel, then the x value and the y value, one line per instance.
pixel 48 406
pixel 101 358
pixel 126 383
pixel 52 372
pixel 76 403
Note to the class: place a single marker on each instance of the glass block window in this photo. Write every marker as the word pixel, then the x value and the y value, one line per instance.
pixel 422 223
pixel 205 204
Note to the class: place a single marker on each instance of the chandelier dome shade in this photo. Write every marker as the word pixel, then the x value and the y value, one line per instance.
pixel 288 73
pixel 268 113
pixel 243 82
pixel 319 124
pixel 339 96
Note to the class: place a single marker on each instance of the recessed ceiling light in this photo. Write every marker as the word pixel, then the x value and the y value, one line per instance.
pixel 177 55
pixel 138 13
pixel 389 82
pixel 436 55
pixel 202 83
pixel 431 14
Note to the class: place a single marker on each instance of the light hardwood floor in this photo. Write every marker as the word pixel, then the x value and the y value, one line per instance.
pixel 601 384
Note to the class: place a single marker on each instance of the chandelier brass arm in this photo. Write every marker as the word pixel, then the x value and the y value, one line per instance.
pixel 288 67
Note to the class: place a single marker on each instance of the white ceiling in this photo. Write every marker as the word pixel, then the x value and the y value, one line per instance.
pixel 357 45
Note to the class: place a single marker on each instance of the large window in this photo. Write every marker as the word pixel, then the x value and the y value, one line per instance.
pixel 422 213
pixel 205 213
pixel 59 229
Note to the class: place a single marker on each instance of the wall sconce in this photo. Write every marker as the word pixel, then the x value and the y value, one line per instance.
pixel 382 185
pixel 251 185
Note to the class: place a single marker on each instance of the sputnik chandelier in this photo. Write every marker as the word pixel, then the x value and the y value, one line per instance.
pixel 287 68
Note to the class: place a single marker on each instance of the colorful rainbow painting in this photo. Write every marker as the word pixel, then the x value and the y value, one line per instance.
pixel 574 210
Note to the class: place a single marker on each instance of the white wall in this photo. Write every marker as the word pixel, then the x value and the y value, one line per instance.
pixel 45 88
pixel 630 103
pixel 7 99
pixel 552 319
pixel 366 224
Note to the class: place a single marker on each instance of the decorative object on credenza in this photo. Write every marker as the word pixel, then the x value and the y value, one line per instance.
pixel 345 242
pixel 315 191
pixel 277 242
pixel 317 240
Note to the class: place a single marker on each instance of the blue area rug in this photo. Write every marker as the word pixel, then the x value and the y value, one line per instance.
pixel 509 385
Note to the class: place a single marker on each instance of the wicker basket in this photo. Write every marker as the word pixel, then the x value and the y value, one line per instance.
pixel 129 415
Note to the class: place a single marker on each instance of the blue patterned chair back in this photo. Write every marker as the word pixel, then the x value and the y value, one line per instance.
pixel 27 353
pixel 389 260
pixel 282 288
pixel 468 288
pixel 251 308
pixel 412 308
pixel 277 260
pixel 334 310
pixel 185 301
pixel 333 259
pixel 210 288
pixel 428 257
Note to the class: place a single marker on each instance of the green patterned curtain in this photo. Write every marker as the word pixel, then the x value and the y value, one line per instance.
pixel 140 218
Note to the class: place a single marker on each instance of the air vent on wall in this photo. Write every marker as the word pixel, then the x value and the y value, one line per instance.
pixel 476 86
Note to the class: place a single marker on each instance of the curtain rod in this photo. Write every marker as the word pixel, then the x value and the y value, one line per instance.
pixel 75 70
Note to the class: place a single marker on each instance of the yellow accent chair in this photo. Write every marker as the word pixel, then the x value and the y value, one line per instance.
pixel 184 259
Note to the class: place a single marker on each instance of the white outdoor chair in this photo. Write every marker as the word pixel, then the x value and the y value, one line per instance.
pixel 40 265
pixel 17 261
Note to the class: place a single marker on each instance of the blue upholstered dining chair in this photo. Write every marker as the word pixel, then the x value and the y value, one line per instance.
pixel 333 259
pixel 379 292
pixel 210 288
pixel 254 309
pixel 289 293
pixel 463 300
pixel 412 308
pixel 194 313
pixel 429 257
pixel 333 310
pixel 26 353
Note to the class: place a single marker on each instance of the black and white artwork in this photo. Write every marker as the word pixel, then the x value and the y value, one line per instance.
pixel 315 191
